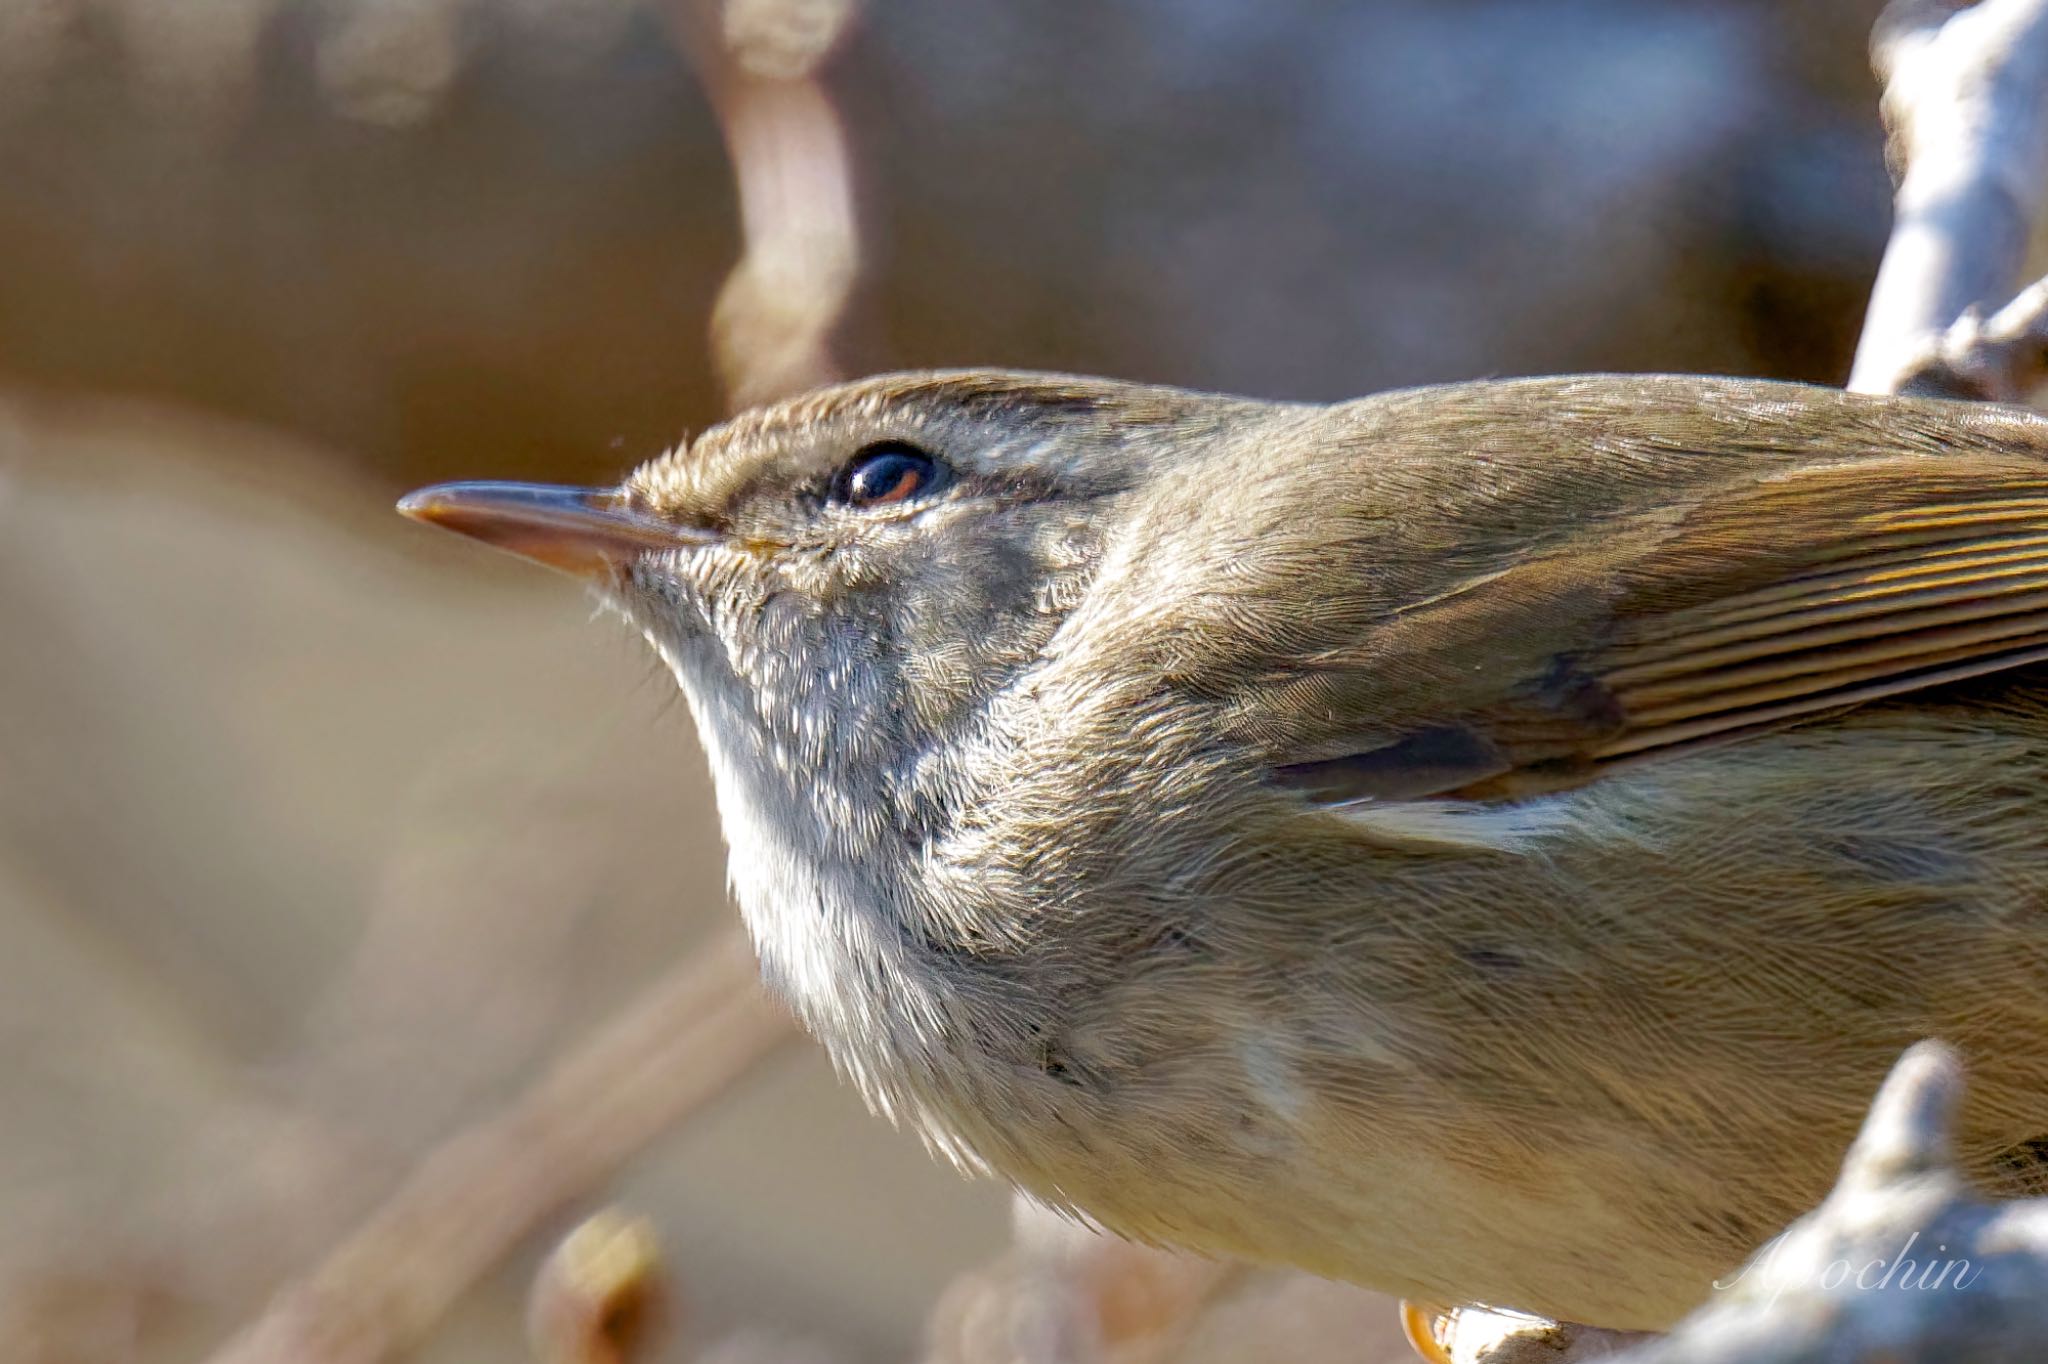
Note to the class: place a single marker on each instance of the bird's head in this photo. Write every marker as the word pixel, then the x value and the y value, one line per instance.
pixel 842 581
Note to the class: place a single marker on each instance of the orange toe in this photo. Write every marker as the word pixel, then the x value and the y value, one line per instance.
pixel 1419 1324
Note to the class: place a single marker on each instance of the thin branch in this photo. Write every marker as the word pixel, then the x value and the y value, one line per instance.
pixel 772 327
pixel 1964 103
pixel 468 1203
pixel 2001 360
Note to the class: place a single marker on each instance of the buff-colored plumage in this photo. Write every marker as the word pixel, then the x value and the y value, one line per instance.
pixel 1484 842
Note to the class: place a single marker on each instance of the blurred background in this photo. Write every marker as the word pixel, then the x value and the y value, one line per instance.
pixel 324 843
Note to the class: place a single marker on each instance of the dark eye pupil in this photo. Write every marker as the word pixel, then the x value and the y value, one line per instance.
pixel 882 474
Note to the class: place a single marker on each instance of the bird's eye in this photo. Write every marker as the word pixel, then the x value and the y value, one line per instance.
pixel 887 473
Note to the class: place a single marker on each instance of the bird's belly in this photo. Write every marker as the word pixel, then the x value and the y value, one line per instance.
pixel 1588 1077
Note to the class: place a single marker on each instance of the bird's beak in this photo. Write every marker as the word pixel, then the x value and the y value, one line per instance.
pixel 589 532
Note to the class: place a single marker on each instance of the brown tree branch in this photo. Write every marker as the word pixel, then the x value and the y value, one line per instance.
pixel 470 1201
pixel 772 327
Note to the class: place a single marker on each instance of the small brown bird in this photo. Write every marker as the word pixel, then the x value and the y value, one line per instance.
pixel 1484 842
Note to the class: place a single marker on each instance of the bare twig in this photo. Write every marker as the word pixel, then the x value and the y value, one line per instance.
pixel 772 327
pixel 1964 103
pixel 469 1202
pixel 2001 360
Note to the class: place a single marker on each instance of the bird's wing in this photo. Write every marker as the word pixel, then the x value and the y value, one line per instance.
pixel 1800 593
